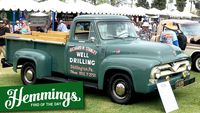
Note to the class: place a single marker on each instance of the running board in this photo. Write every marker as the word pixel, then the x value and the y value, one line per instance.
pixel 59 79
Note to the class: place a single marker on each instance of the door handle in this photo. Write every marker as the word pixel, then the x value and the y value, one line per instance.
pixel 71 45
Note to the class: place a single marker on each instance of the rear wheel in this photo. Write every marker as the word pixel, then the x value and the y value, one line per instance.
pixel 28 73
pixel 120 88
pixel 196 63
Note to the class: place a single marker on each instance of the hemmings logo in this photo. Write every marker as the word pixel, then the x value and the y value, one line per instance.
pixel 41 97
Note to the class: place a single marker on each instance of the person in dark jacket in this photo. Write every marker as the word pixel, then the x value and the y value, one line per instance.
pixel 3 31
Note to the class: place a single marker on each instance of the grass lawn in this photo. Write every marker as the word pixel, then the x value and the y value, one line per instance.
pixel 188 98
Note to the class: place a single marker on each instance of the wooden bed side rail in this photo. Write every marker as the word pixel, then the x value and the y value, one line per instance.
pixel 40 37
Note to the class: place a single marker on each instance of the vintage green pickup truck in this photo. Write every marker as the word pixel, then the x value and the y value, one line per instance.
pixel 102 51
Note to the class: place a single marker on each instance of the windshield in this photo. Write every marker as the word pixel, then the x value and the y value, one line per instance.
pixel 190 29
pixel 114 30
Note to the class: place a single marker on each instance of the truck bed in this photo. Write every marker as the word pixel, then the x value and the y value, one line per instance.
pixel 52 43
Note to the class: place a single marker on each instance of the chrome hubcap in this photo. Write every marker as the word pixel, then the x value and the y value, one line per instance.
pixel 29 76
pixel 120 89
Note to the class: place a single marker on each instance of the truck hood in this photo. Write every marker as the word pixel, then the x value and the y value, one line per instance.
pixel 163 53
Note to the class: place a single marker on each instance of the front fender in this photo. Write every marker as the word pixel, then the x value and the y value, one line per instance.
pixel 138 68
pixel 41 59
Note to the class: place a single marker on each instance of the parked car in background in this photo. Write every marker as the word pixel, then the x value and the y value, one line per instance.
pixel 191 31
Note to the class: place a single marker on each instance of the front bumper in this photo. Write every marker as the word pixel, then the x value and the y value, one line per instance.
pixel 175 83
pixel 185 82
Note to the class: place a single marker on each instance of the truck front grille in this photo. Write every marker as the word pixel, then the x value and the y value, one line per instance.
pixel 169 69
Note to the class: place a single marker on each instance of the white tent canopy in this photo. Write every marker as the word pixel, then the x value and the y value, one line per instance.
pixel 53 5
pixel 107 9
pixel 165 12
pixel 124 10
pixel 189 15
pixel 176 13
pixel 80 7
pixel 39 14
pixel 85 7
pixel 141 9
pixel 22 5
pixel 154 11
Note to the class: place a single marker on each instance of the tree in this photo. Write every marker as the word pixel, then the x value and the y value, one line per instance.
pixel 113 2
pixel 159 4
pixel 96 2
pixel 180 4
pixel 143 3
pixel 197 4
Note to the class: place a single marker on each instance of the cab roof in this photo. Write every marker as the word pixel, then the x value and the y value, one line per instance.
pixel 101 17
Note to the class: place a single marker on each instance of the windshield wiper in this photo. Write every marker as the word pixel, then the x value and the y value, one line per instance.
pixel 117 37
pixel 124 37
pixel 129 37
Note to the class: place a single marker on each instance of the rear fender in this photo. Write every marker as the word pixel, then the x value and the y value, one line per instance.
pixel 41 59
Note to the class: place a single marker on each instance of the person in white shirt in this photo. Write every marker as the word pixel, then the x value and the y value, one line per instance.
pixel 18 26
pixel 62 27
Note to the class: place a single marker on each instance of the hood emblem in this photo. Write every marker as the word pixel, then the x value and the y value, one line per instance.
pixel 174 53
pixel 117 51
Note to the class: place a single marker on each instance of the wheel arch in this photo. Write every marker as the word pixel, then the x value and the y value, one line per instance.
pixel 28 73
pixel 194 57
pixel 110 72
pixel 41 60
pixel 194 54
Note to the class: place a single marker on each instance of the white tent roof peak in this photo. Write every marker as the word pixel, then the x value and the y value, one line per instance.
pixel 22 5
pixel 53 5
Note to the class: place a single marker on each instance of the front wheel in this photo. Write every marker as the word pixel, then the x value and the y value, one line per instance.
pixel 28 73
pixel 196 63
pixel 121 88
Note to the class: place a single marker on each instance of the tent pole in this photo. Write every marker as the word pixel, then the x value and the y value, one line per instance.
pixel 53 20
pixel 13 21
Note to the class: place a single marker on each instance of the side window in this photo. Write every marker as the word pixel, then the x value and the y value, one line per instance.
pixel 82 30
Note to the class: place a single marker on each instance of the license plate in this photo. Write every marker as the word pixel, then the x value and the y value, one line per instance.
pixel 179 83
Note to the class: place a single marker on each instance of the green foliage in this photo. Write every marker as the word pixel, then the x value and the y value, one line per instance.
pixel 159 4
pixel 97 2
pixel 101 1
pixel 143 3
pixel 180 4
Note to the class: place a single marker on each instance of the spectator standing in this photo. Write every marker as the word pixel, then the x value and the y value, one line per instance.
pixel 79 27
pixel 25 28
pixel 17 26
pixel 62 27
pixel 55 25
pixel 169 36
pixel 7 24
pixel 145 33
pixel 3 30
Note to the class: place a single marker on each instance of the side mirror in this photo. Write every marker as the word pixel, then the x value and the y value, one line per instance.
pixel 92 39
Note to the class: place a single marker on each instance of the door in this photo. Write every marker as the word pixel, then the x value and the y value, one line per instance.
pixel 82 56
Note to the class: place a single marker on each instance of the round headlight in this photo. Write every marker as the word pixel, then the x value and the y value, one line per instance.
pixel 157 76
pixel 188 67
pixel 157 73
